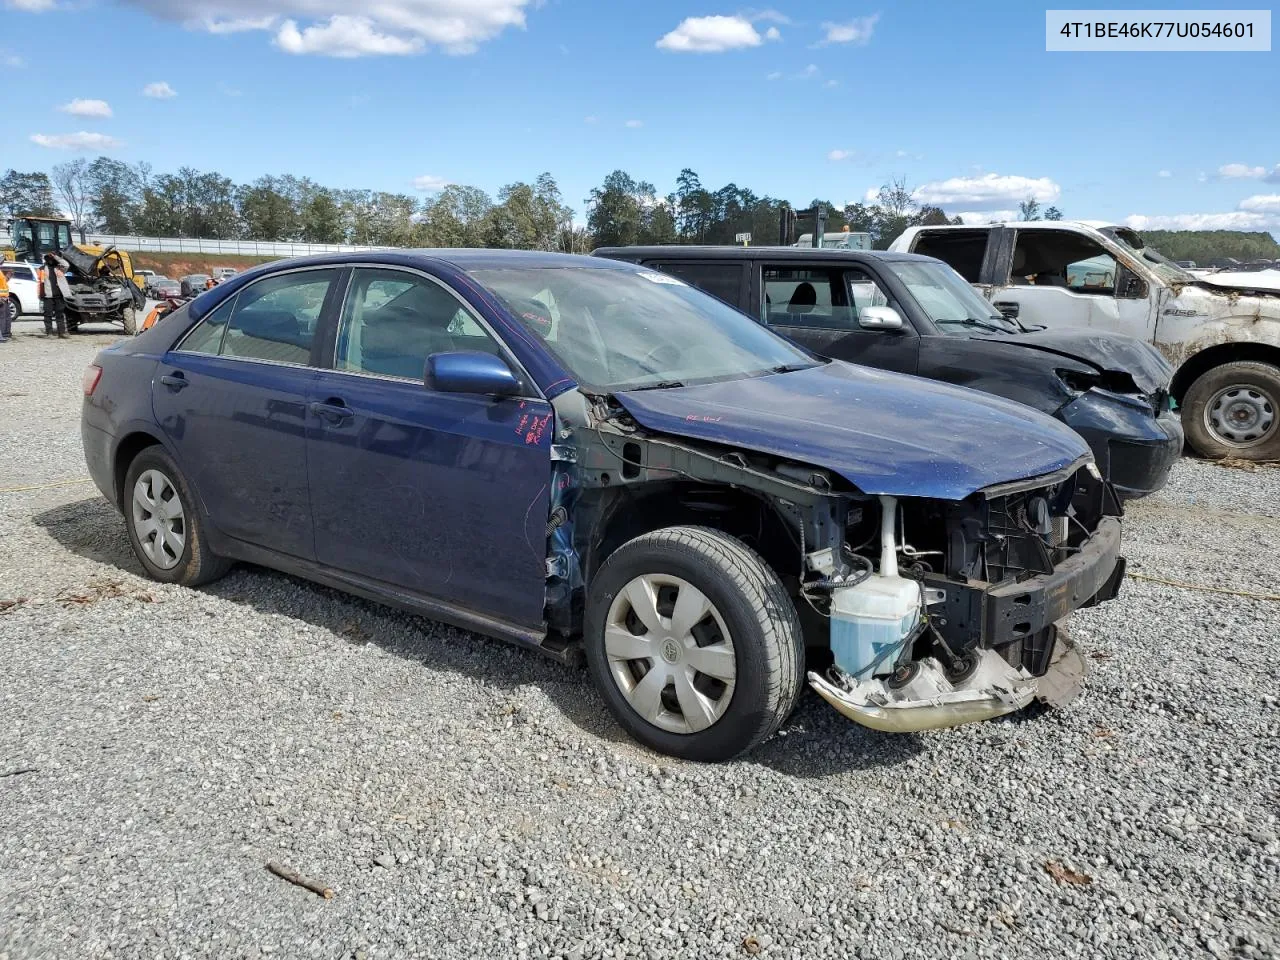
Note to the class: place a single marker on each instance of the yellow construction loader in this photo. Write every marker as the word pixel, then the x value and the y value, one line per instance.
pixel 101 279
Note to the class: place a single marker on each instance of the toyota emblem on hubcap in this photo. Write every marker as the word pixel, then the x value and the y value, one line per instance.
pixel 670 650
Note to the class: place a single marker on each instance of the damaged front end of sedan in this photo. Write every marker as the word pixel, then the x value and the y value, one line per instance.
pixel 921 608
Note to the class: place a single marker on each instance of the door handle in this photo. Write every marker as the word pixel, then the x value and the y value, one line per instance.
pixel 333 411
pixel 175 381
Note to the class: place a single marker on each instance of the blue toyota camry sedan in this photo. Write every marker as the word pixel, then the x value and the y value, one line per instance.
pixel 600 462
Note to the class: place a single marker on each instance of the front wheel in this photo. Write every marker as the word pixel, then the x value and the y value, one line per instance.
pixel 129 317
pixel 165 529
pixel 1234 411
pixel 15 307
pixel 693 643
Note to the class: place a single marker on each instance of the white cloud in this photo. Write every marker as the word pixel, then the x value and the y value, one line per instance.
pixel 1258 212
pixel 87 108
pixel 857 31
pixel 985 216
pixel 1165 174
pixel 75 141
pixel 831 84
pixel 1262 203
pixel 635 124
pixel 714 34
pixel 344 37
pixel 839 155
pixel 1236 220
pixel 773 33
pixel 987 192
pixel 591 119
pixel 12 60
pixel 338 28
pixel 776 75
pixel 429 184
pixel 159 91
pixel 31 6
pixel 1240 171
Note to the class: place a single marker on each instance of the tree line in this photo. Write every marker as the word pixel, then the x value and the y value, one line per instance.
pixel 108 196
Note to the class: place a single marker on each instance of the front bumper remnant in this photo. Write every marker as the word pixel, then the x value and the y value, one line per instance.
pixel 930 701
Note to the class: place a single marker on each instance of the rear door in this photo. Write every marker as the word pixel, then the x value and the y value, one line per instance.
pixel 817 305
pixel 231 399
pixel 445 495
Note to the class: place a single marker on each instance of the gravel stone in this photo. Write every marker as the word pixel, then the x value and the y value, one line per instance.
pixel 181 739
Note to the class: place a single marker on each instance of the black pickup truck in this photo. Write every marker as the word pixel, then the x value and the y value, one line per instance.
pixel 914 314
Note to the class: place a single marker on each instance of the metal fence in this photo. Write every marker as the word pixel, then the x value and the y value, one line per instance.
pixel 260 248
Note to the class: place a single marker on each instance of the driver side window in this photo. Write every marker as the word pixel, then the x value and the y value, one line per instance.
pixel 1059 258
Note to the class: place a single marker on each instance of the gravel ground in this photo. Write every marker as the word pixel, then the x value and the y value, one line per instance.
pixel 467 798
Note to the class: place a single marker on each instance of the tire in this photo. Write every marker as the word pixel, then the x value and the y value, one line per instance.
pixel 129 317
pixel 190 562
pixel 731 713
pixel 15 307
pixel 1234 411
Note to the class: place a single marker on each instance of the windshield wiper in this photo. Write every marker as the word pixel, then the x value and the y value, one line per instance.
pixel 974 322
pixel 790 367
pixel 660 385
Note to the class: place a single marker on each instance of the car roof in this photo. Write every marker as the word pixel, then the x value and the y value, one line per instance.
pixel 1022 225
pixel 687 252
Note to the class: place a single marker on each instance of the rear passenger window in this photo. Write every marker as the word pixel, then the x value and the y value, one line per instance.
pixel 962 249
pixel 207 335
pixel 723 280
pixel 393 321
pixel 275 319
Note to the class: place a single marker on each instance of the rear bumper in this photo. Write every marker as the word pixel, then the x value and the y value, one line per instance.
pixel 985 616
pixel 97 457
pixel 1134 449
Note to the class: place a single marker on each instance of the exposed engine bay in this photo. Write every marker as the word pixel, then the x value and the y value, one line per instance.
pixel 935 612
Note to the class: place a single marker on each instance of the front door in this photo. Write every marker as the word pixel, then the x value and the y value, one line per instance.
pixel 231 399
pixel 441 494
pixel 1064 279
pixel 817 305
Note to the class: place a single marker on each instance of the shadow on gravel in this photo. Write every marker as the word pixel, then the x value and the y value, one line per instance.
pixel 815 742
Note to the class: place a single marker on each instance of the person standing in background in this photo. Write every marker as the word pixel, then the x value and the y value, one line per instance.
pixel 54 292
pixel 8 311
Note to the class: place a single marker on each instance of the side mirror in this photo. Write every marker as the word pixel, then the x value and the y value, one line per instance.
pixel 1132 288
pixel 469 371
pixel 1008 308
pixel 879 318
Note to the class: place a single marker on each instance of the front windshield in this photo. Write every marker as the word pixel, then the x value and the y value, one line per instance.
pixel 616 329
pixel 1132 241
pixel 947 299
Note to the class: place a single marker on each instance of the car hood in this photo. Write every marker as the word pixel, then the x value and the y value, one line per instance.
pixel 886 433
pixel 1105 352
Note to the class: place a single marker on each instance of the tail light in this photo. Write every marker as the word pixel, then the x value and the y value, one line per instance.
pixel 89 382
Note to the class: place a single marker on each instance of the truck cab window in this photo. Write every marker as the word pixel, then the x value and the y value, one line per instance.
pixel 1058 258
pixel 962 249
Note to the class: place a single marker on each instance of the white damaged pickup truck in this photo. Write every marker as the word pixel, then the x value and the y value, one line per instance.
pixel 1224 341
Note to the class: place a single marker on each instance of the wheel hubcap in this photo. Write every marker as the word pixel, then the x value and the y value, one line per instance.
pixel 670 653
pixel 158 519
pixel 1240 415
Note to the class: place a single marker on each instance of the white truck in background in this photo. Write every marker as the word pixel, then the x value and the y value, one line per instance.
pixel 1223 340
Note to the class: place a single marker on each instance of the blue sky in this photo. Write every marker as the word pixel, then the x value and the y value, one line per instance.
pixel 797 100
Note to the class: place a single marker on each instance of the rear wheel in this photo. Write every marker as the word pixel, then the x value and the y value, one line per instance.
pixel 165 528
pixel 1234 411
pixel 129 317
pixel 693 643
